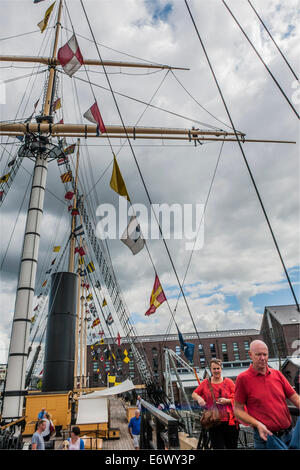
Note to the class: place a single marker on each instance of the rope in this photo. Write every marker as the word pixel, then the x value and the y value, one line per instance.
pixel 140 173
pixel 243 154
pixel 281 53
pixel 259 56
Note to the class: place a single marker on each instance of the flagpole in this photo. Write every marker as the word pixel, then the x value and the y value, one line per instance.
pixel 81 333
pixel 14 390
pixel 76 336
pixel 72 239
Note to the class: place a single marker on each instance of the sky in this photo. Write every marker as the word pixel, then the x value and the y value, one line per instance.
pixel 237 272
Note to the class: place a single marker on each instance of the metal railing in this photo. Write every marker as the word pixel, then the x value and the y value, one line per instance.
pixel 158 429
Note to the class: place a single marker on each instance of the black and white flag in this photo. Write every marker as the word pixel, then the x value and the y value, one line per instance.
pixel 132 236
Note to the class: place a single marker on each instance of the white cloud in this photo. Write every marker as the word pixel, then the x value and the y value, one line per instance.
pixel 238 257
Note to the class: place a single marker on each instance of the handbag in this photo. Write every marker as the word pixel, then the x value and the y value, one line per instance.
pixel 211 418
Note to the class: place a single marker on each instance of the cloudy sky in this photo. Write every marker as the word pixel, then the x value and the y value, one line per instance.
pixel 237 272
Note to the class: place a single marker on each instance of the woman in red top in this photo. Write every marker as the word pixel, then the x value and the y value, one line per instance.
pixel 224 435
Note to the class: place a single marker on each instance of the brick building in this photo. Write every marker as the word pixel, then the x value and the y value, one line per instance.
pixel 232 345
pixel 280 330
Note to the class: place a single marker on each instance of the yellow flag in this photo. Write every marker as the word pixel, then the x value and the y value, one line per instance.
pixel 4 178
pixel 113 356
pixel 125 352
pixel 104 303
pixel 117 182
pixel 101 341
pixel 56 249
pixel 43 24
pixel 111 379
pixel 117 383
pixel 126 360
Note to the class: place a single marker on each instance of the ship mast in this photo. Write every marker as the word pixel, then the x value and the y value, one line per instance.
pixel 14 391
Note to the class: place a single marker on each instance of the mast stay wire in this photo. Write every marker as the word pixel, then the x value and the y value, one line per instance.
pixel 104 245
pixel 278 48
pixel 15 224
pixel 209 126
pixel 261 59
pixel 139 170
pixel 38 66
pixel 192 252
pixel 125 140
pixel 200 105
pixel 115 50
pixel 244 155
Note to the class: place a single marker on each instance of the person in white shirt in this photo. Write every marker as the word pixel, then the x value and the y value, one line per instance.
pixel 47 432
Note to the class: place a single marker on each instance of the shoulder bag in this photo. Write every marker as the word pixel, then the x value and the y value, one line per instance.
pixel 211 418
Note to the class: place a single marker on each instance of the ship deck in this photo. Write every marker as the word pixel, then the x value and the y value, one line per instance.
pixel 118 419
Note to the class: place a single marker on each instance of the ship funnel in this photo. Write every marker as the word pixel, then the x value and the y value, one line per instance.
pixel 60 337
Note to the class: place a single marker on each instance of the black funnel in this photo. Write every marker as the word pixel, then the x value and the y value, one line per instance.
pixel 60 338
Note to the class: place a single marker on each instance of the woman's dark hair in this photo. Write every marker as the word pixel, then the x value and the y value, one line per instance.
pixel 76 430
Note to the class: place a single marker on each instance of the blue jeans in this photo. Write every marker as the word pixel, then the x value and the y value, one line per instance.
pixel 259 443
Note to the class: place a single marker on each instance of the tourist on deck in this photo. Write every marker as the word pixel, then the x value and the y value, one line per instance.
pixel 224 435
pixel 42 414
pixel 37 440
pixel 75 443
pixel 49 428
pixel 138 403
pixel 134 428
pixel 264 392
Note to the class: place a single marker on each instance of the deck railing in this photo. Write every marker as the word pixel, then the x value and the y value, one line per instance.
pixel 158 429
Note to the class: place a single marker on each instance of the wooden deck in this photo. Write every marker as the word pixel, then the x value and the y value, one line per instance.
pixel 118 419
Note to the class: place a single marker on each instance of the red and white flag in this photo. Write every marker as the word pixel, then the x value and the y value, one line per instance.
pixel 93 115
pixel 70 57
pixel 118 340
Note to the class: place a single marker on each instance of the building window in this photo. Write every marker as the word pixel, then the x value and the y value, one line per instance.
pixel 178 350
pixel 224 347
pixel 236 356
pixel 247 345
pixel 225 357
pixel 212 348
pixel 235 346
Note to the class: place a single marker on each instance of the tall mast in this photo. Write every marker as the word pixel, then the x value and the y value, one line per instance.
pixel 72 239
pixel 14 391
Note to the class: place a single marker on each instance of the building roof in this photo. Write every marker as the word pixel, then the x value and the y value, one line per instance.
pixel 202 335
pixel 285 314
pixel 293 359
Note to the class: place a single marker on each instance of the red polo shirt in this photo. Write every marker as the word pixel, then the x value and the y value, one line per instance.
pixel 265 397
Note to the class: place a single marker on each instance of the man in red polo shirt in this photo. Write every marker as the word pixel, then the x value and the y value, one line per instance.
pixel 264 392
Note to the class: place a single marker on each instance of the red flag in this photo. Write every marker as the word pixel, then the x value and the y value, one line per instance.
pixel 81 252
pixel 118 339
pixel 69 195
pixel 61 121
pixel 157 297
pixel 70 57
pixel 75 211
pixel 93 115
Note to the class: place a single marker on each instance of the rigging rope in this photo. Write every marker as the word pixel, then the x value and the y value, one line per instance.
pixel 140 173
pixel 209 126
pixel 192 252
pixel 243 154
pixel 261 59
pixel 278 48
